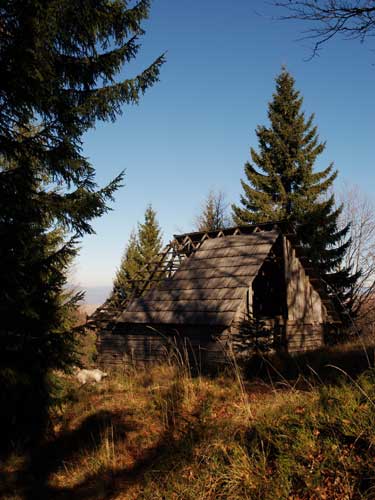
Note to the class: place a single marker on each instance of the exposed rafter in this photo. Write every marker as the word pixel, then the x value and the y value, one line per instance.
pixel 165 264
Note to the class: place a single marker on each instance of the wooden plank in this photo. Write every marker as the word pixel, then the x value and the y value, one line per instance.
pixel 208 318
pixel 213 283
pixel 197 274
pixel 222 262
pixel 258 253
pixel 221 272
pixel 204 294
pixel 265 238
pixel 141 305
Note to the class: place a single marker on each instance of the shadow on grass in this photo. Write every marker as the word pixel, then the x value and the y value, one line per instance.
pixel 109 483
pixel 33 481
pixel 175 445
pixel 323 365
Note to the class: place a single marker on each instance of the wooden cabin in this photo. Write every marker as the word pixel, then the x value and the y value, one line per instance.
pixel 207 286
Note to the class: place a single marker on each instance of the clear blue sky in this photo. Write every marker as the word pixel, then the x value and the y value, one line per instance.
pixel 192 131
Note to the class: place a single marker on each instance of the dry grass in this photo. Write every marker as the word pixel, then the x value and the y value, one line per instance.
pixel 159 433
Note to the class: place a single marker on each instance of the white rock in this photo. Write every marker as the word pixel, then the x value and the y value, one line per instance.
pixel 84 376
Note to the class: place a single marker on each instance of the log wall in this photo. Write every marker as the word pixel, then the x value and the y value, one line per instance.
pixel 131 345
pixel 302 337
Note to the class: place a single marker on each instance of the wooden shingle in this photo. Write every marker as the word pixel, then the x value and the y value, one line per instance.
pixel 209 286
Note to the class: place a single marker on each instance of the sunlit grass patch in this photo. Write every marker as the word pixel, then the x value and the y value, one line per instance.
pixel 159 433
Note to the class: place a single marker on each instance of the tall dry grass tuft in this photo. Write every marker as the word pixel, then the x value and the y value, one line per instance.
pixel 161 432
pixel 238 375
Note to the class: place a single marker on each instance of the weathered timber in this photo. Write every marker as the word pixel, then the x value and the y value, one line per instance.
pixel 216 276
pixel 205 285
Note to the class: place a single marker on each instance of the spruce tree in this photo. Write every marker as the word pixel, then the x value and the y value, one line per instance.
pixel 143 248
pixel 36 329
pixel 282 185
pixel 149 237
pixel 127 272
pixel 59 61
pixel 149 248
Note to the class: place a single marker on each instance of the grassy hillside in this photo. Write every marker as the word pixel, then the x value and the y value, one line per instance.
pixel 163 434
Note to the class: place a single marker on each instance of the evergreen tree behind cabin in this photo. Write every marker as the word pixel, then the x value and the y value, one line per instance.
pixel 282 185
pixel 142 249
pixel 128 271
pixel 149 237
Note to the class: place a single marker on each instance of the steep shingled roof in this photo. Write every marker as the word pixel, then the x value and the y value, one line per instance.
pixel 209 286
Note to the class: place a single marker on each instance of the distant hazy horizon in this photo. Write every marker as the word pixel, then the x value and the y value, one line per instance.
pixel 95 295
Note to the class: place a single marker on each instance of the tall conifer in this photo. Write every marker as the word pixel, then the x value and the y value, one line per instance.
pixel 142 249
pixel 60 62
pixel 149 237
pixel 127 272
pixel 282 185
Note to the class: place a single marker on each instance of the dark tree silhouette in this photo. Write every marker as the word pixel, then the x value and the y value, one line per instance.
pixel 59 61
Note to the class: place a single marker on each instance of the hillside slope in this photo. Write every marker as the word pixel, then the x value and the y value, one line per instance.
pixel 162 434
